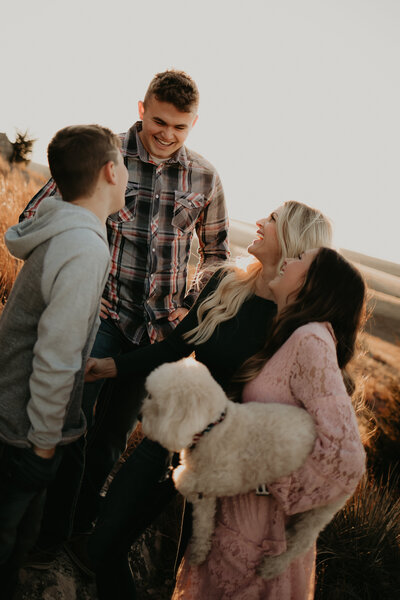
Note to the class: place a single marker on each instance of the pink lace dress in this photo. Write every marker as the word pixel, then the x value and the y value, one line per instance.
pixel 303 372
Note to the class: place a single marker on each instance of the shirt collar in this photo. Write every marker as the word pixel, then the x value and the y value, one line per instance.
pixel 134 147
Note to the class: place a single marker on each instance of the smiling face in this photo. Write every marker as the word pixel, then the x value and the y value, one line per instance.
pixel 164 127
pixel 291 277
pixel 266 246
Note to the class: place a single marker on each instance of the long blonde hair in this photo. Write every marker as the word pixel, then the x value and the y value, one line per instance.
pixel 299 227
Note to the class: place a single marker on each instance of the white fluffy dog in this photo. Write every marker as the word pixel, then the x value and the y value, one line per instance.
pixel 228 449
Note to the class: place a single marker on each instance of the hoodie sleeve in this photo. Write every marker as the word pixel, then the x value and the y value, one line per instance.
pixel 73 279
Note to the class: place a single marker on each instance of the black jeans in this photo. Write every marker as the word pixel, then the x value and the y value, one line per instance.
pixel 137 495
pixel 24 477
pixel 72 501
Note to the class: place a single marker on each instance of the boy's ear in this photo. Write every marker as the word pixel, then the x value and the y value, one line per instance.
pixel 109 172
pixel 141 109
pixel 195 120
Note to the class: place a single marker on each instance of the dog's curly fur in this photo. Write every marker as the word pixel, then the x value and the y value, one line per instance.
pixel 255 444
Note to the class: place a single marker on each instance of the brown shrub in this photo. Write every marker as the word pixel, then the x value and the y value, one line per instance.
pixel 17 186
pixel 377 371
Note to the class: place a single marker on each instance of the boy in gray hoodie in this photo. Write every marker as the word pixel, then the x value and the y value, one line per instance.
pixel 49 324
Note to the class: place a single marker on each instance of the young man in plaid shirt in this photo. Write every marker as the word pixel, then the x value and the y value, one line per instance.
pixel 171 192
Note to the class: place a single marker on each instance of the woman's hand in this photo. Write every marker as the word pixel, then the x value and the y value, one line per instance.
pixel 178 313
pixel 100 368
pixel 44 452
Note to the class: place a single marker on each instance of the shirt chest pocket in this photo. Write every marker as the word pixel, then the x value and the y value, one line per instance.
pixel 127 213
pixel 187 209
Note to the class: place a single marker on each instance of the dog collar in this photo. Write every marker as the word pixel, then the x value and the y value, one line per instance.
pixel 207 429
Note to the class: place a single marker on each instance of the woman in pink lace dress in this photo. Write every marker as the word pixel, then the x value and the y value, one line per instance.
pixel 320 299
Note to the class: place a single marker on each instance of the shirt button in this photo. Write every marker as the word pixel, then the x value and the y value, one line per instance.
pixel 157 196
pixel 154 249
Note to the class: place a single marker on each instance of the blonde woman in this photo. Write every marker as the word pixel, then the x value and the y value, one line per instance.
pixel 229 323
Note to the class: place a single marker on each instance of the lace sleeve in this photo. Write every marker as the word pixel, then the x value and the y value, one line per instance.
pixel 337 461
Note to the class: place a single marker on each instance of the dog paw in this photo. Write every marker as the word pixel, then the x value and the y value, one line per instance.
pixel 198 552
pixel 272 566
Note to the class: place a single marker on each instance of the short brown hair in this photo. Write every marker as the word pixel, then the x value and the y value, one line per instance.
pixel 76 154
pixel 175 87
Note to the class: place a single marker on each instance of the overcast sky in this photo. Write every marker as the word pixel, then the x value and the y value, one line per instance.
pixel 299 99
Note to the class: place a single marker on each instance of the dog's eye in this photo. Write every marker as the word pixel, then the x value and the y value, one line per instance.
pixel 149 396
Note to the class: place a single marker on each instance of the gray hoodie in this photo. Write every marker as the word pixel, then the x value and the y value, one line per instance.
pixel 49 323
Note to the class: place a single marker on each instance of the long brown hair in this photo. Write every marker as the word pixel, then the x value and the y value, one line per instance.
pixel 333 291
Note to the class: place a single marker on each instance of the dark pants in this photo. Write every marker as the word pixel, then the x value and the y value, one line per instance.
pixel 137 495
pixel 24 477
pixel 73 500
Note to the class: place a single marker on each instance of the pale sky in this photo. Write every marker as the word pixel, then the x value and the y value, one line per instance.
pixel 299 99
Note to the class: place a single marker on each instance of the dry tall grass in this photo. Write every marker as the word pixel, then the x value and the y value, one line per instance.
pixel 359 552
pixel 17 186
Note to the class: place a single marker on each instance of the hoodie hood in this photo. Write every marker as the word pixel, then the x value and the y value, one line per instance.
pixel 52 217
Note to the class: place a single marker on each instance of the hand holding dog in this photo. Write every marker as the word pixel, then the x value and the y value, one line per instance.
pixel 252 444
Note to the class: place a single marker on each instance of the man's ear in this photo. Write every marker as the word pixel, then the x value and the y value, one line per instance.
pixel 109 172
pixel 141 109
pixel 195 120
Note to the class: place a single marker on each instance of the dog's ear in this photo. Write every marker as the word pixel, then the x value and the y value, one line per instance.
pixel 150 409
pixel 173 416
pixel 187 400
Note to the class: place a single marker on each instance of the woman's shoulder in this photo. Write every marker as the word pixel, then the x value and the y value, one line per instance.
pixel 314 331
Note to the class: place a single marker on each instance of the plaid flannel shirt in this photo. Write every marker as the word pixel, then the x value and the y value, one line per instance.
pixel 150 237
